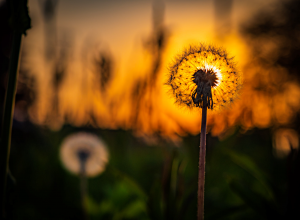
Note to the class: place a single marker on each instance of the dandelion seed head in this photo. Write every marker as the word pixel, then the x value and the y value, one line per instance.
pixel 204 73
pixel 84 148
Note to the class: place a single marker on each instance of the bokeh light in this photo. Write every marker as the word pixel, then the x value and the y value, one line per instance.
pixel 284 141
pixel 112 80
pixel 89 144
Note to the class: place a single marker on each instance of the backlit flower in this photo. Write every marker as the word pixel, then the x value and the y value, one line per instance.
pixel 204 74
pixel 84 150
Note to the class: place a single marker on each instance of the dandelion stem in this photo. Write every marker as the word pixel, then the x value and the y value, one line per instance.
pixel 84 196
pixel 8 115
pixel 83 156
pixel 201 174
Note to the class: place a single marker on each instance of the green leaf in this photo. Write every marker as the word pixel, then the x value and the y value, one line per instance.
pixel 134 210
pixel 94 208
pixel 247 164
pixel 131 182
pixel 261 205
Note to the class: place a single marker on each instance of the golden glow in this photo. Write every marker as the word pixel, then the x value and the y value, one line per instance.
pixel 285 140
pixel 182 70
pixel 275 102
pixel 113 109
pixel 216 71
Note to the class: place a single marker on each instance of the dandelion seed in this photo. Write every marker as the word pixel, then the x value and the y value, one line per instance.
pixel 203 74
pixel 85 155
pixel 84 149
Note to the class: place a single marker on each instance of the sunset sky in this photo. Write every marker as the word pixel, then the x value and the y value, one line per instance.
pixel 121 30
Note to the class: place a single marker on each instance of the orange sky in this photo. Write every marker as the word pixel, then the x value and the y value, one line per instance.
pixel 120 28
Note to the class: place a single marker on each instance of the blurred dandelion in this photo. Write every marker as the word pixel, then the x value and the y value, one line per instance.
pixel 86 155
pixel 205 77
pixel 83 152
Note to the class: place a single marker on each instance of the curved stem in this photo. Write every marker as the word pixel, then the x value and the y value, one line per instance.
pixel 201 174
pixel 8 115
